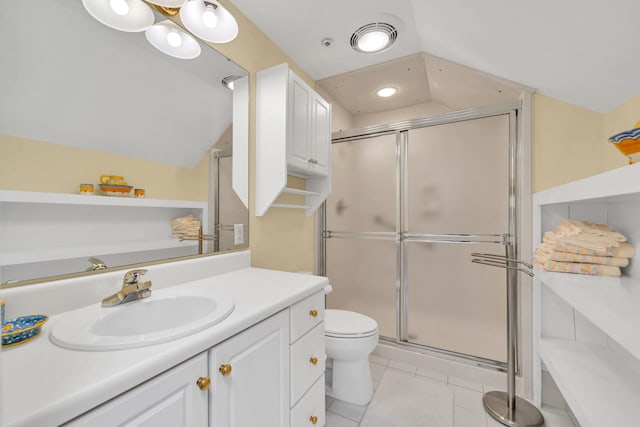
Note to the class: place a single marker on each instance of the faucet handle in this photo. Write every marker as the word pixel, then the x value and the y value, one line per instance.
pixel 131 277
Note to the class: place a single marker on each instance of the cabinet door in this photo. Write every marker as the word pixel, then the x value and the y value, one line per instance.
pixel 171 399
pixel 320 136
pixel 299 125
pixel 255 392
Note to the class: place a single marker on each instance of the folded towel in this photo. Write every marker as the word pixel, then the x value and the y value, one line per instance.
pixel 572 227
pixel 580 268
pixel 623 250
pixel 545 252
pixel 186 226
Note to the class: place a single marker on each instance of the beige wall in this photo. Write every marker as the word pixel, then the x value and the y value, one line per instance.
pixel 570 142
pixel 39 166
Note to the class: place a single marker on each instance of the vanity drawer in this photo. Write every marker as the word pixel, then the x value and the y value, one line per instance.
pixel 310 408
pixel 306 314
pixel 307 360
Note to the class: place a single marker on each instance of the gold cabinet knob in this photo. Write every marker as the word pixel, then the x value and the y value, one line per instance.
pixel 314 360
pixel 313 419
pixel 225 370
pixel 313 313
pixel 203 383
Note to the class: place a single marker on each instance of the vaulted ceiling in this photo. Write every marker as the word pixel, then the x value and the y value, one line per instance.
pixel 585 52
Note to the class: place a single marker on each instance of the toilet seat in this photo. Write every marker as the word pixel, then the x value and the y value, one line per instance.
pixel 348 324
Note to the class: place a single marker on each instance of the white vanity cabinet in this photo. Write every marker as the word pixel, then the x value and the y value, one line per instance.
pixel 172 399
pixel 293 137
pixel 250 376
pixel 307 362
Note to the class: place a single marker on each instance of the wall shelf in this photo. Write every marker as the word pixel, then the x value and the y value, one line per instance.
pixel 587 326
pixel 11 196
pixel 611 303
pixel 599 386
pixel 42 232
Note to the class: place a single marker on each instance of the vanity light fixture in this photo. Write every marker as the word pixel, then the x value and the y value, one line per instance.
pixel 168 3
pixel 387 91
pixel 228 81
pixel 373 38
pixel 123 15
pixel 209 20
pixel 169 38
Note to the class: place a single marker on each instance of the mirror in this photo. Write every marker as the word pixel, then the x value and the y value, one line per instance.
pixel 81 100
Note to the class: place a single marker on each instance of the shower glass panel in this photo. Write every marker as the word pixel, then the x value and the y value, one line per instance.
pixel 458 177
pixel 363 187
pixel 406 212
pixel 363 276
pixel 453 304
pixel 457 183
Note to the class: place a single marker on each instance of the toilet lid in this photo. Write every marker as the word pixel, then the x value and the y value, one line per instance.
pixel 342 323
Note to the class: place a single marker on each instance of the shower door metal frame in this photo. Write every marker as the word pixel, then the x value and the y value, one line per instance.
pixel 402 238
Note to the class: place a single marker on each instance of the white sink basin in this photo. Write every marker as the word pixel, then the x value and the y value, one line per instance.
pixel 164 316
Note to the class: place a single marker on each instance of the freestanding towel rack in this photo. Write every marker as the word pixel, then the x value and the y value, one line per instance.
pixel 507 408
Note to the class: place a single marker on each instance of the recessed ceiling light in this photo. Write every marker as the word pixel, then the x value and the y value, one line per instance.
pixel 373 38
pixel 387 91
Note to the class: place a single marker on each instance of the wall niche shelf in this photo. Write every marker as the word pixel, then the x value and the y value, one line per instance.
pixel 588 339
pixel 293 138
pixel 43 234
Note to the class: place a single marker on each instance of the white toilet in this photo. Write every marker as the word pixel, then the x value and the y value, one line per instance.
pixel 350 337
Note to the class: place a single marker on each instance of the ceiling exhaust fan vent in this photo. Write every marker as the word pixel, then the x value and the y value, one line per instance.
pixel 373 38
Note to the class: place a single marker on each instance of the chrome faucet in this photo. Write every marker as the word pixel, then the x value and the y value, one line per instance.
pixel 132 289
pixel 96 264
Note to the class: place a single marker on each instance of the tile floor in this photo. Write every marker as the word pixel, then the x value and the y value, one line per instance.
pixel 406 396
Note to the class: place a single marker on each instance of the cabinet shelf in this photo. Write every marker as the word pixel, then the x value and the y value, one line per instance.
pixel 611 303
pixel 299 192
pixel 289 206
pixel 599 385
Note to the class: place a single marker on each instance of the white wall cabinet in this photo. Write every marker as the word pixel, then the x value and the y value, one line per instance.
pixel 293 126
pixel 250 376
pixel 587 327
pixel 172 399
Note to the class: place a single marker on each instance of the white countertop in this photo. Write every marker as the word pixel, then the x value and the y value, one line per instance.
pixel 46 385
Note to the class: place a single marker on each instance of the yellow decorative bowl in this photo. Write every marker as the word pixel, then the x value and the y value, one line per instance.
pixel 628 143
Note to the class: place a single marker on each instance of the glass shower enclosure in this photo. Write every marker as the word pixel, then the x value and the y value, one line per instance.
pixel 409 204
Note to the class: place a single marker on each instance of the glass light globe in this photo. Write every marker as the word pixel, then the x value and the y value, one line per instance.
pixel 174 39
pixel 209 17
pixel 121 7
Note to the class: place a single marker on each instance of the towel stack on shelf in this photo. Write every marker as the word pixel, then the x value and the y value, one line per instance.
pixel 584 248
pixel 186 227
